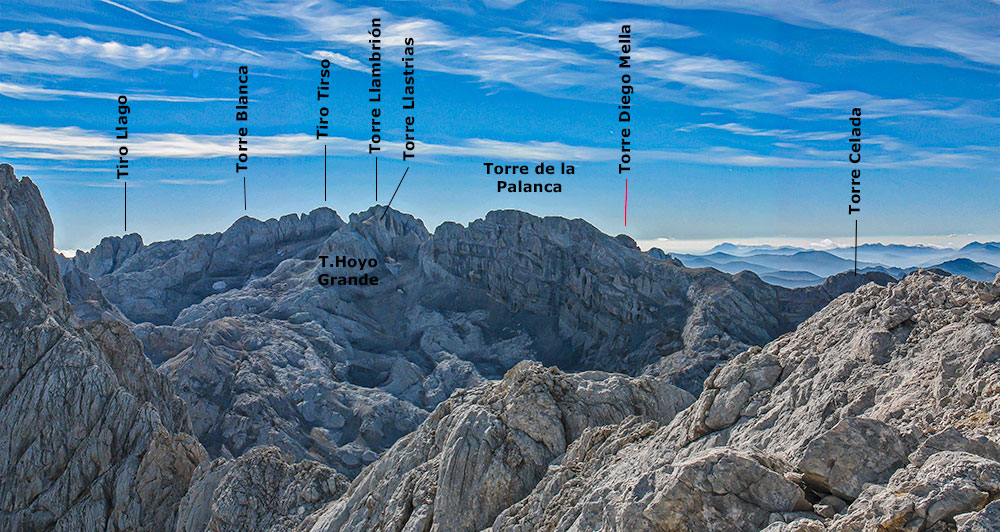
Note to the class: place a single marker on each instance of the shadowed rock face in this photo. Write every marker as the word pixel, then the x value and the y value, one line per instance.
pixel 154 283
pixel 590 301
pixel 93 438
pixel 85 296
pixel 800 303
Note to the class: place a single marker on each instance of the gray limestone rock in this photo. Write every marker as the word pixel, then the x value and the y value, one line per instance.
pixel 257 492
pixel 591 489
pixel 452 309
pixel 803 524
pixel 266 355
pixel 253 381
pixel 715 486
pixel 859 385
pixel 485 448
pixel 263 355
pixel 951 439
pixel 87 299
pixel 93 437
pixel 854 452
pixel 26 224
pixel 927 497
pixel 986 520
pixel 155 282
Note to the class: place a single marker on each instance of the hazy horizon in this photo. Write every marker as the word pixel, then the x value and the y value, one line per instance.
pixel 739 121
pixel 667 244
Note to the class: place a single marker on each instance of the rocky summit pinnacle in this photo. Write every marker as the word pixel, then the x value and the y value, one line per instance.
pixel 26 224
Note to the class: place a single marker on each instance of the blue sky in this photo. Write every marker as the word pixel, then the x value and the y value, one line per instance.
pixel 739 125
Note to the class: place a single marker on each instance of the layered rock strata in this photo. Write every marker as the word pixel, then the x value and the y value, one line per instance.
pixel 93 437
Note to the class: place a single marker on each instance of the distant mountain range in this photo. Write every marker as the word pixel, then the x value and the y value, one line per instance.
pixel 796 267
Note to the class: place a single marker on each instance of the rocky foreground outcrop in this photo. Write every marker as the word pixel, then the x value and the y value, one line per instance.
pixel 258 492
pixel 879 413
pixel 485 448
pixel 92 437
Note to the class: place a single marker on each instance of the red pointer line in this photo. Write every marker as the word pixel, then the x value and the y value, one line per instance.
pixel 626 201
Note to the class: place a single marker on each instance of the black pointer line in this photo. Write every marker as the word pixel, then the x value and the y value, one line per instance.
pixel 394 193
pixel 324 172
pixel 855 247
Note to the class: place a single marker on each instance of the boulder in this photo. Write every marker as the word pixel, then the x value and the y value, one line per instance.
pixel 258 492
pixel 946 485
pixel 854 452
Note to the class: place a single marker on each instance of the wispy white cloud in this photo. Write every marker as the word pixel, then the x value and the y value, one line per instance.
pixel 970 29
pixel 492 60
pixel 80 144
pixel 18 66
pixel 705 81
pixel 189 182
pixel 56 48
pixel 605 34
pixel 528 60
pixel 788 138
pixel 97 184
pixel 785 134
pixel 60 169
pixel 520 62
pixel 338 59
pixel 178 28
pixel 65 21
pixel 34 92
pixel 72 143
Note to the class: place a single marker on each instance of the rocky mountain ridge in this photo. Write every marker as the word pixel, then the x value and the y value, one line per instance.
pixel 280 360
pixel 154 282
